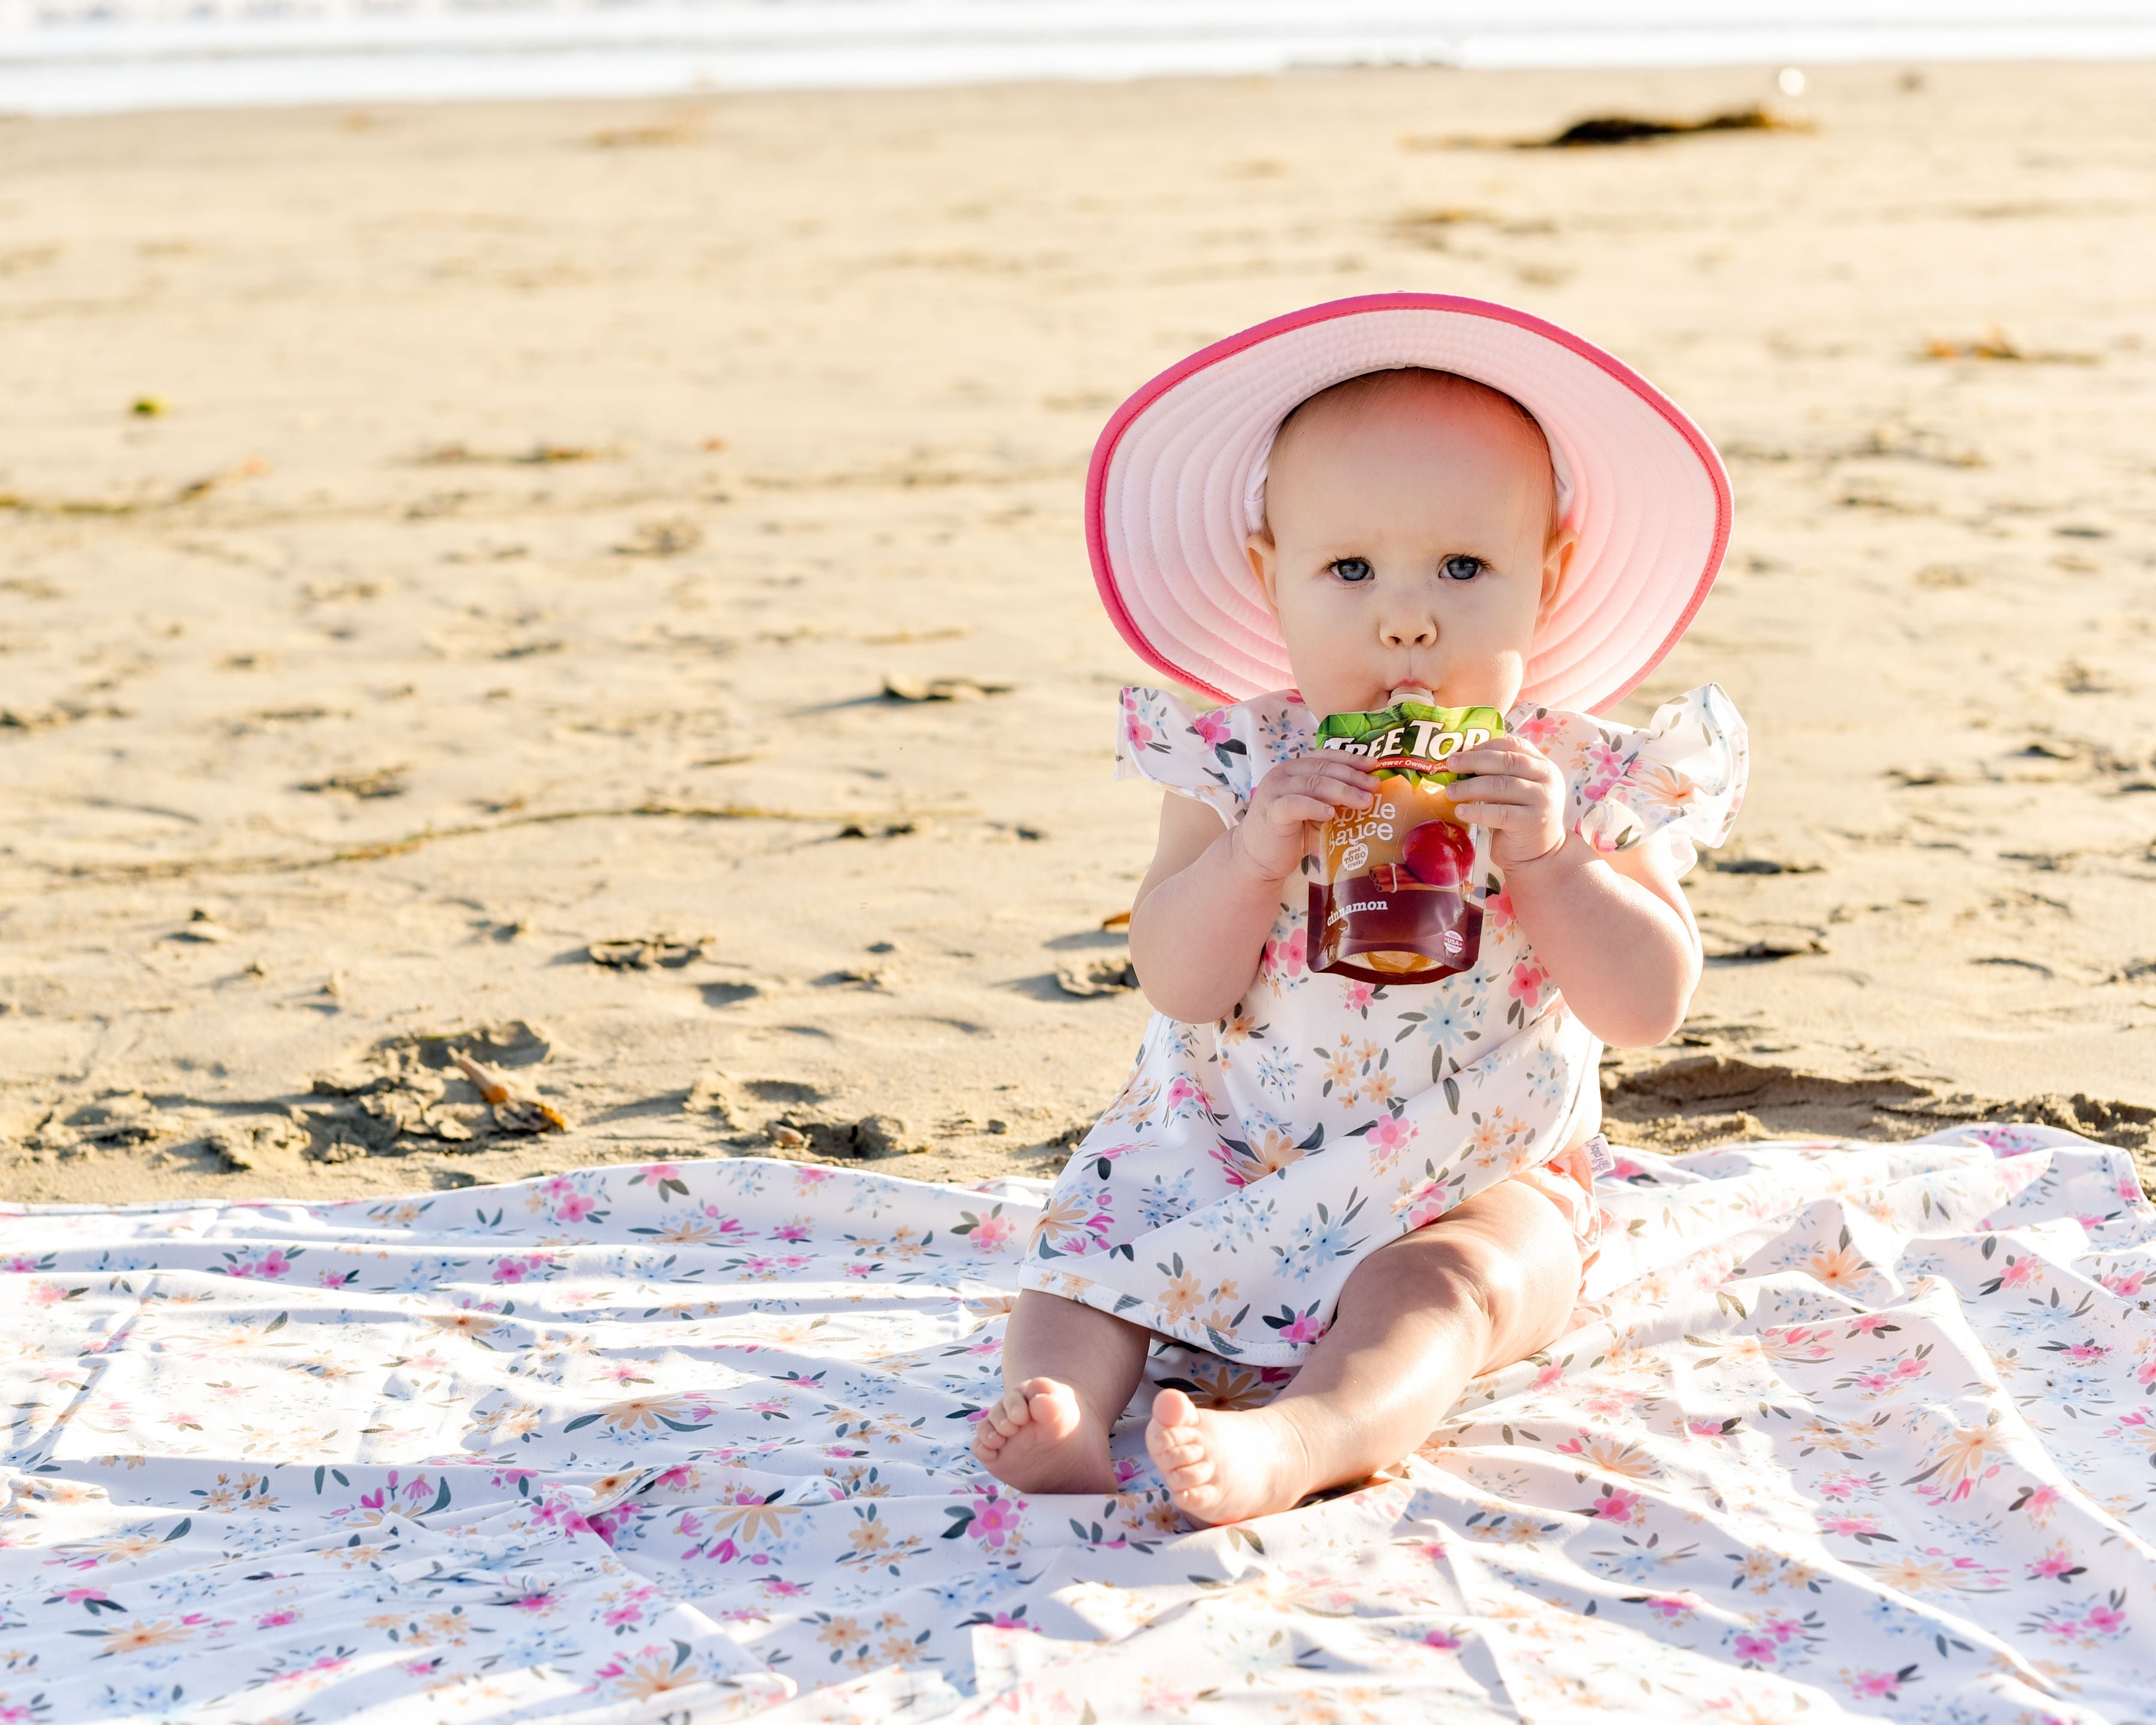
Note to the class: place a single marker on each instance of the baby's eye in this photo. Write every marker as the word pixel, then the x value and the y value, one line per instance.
pixel 1460 568
pixel 1352 569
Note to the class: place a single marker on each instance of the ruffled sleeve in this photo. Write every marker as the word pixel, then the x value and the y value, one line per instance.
pixel 1216 756
pixel 1680 781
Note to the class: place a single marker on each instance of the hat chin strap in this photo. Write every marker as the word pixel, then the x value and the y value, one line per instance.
pixel 1253 488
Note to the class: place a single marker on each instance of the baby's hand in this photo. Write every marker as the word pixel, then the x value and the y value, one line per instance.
pixel 1310 788
pixel 1518 793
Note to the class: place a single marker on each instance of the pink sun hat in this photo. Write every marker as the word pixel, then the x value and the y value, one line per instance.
pixel 1178 478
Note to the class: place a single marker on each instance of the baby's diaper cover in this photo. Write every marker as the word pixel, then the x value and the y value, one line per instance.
pixel 1567 1180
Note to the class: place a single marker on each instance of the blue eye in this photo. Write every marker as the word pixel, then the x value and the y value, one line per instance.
pixel 1352 569
pixel 1460 568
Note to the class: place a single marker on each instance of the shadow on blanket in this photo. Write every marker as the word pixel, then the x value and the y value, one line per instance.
pixel 1843 1430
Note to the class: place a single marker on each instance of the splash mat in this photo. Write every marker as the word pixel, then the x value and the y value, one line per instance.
pixel 1841 1431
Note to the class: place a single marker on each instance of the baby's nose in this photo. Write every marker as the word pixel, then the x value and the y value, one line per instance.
pixel 1414 630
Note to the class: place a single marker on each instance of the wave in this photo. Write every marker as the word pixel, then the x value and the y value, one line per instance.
pixel 74 56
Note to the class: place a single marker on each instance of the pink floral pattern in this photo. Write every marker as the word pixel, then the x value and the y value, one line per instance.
pixel 1804 1454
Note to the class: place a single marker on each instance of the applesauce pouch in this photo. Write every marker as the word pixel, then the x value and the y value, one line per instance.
pixel 1394 898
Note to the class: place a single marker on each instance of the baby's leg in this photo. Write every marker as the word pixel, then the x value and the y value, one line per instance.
pixel 1068 1372
pixel 1489 1283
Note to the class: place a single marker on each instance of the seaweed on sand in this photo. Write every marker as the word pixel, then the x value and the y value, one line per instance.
pixel 1603 129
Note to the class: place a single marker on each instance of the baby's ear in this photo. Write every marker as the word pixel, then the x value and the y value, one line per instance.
pixel 1265 563
pixel 1557 566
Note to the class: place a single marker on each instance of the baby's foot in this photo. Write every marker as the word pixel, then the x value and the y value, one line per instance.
pixel 1222 1466
pixel 1035 1437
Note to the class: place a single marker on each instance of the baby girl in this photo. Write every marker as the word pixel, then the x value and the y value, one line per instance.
pixel 1387 1187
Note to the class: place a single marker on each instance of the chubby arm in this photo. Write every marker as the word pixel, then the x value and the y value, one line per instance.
pixel 1614 932
pixel 1207 902
pixel 1616 936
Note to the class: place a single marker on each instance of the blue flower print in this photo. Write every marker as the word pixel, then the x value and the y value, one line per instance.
pixel 1278 1070
pixel 1160 1202
pixel 1286 734
pixel 1321 1237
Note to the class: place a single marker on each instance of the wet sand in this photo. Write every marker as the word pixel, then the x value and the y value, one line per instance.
pixel 531 504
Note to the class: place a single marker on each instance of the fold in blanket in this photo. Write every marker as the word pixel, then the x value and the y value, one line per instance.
pixel 1844 1430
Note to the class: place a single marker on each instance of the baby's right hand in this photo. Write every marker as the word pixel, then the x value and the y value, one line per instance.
pixel 1310 788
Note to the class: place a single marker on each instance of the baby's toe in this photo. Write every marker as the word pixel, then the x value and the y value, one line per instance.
pixel 1197 1500
pixel 1173 1446
pixel 1163 1438
pixel 1051 1406
pixel 1172 1408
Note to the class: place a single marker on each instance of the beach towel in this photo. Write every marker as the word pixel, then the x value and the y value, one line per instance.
pixel 1853 1430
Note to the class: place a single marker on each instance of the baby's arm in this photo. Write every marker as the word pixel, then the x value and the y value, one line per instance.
pixel 1614 932
pixel 1207 902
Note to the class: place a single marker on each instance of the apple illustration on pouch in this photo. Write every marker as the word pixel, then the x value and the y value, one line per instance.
pixel 1439 854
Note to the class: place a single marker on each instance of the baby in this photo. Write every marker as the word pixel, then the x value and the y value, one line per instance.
pixel 1387 1187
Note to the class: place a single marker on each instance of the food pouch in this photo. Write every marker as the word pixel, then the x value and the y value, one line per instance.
pixel 1393 899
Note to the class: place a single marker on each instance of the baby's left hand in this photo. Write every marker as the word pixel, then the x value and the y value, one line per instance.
pixel 1518 793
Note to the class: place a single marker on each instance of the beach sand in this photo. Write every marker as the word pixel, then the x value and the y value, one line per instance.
pixel 528 506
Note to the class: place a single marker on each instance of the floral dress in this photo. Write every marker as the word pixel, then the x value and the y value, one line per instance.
pixel 1249 1165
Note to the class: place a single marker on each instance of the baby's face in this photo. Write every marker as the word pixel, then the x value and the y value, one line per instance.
pixel 1409 542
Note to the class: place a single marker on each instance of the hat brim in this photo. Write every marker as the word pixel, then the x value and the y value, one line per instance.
pixel 1165 496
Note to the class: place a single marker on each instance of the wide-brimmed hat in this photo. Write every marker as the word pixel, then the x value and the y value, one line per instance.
pixel 1177 477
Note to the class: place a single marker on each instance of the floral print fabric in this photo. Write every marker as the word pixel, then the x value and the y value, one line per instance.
pixel 1248 1166
pixel 1844 1431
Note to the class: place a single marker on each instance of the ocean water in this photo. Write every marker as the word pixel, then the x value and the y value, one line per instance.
pixel 81 56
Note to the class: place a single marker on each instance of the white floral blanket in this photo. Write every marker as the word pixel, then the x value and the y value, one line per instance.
pixel 1853 1431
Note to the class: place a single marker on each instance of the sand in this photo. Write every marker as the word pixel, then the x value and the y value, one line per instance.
pixel 528 506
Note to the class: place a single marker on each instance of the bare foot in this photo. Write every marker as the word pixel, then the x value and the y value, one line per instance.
pixel 1036 1437
pixel 1221 1466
